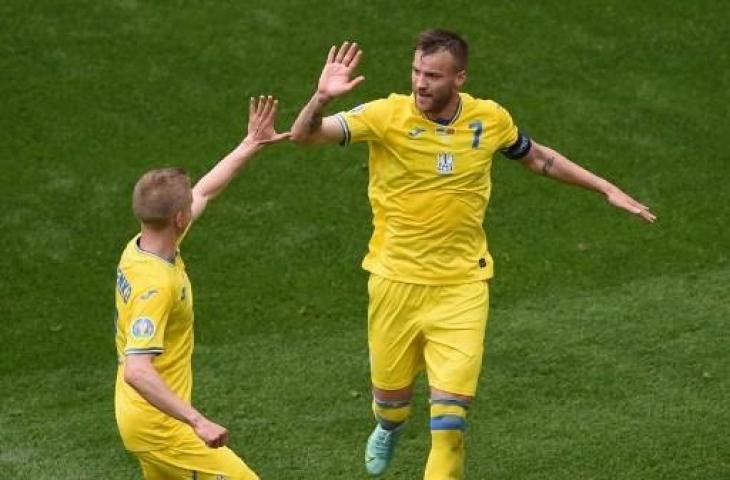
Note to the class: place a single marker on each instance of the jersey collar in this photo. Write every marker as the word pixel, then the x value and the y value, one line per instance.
pixel 166 261
pixel 445 122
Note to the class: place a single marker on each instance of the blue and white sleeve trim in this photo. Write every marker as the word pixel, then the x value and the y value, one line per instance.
pixel 143 351
pixel 345 130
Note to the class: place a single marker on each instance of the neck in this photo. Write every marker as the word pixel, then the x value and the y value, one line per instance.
pixel 162 243
pixel 448 112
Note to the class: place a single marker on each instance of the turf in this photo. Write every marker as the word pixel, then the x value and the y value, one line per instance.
pixel 607 350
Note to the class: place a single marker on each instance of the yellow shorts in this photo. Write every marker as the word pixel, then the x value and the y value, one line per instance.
pixel 192 459
pixel 439 327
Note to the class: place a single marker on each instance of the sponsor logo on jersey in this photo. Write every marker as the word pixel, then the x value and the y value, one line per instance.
pixel 445 163
pixel 442 130
pixel 416 132
pixel 148 294
pixel 123 286
pixel 143 327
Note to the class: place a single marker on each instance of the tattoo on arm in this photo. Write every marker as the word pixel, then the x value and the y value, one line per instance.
pixel 315 122
pixel 548 165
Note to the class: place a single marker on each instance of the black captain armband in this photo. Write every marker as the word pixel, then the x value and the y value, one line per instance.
pixel 520 148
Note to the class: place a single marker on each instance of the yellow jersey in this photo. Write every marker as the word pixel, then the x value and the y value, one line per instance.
pixel 154 306
pixel 429 186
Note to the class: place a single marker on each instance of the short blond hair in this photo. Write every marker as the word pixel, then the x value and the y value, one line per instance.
pixel 160 194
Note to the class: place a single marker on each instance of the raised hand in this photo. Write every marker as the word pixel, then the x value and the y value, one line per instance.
pixel 335 79
pixel 619 199
pixel 261 117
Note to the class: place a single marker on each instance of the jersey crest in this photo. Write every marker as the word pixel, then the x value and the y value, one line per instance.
pixel 445 163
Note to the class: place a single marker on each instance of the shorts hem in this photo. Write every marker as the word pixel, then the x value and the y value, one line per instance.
pixel 456 391
pixel 391 386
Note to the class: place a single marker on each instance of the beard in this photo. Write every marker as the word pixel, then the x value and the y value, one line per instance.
pixel 434 102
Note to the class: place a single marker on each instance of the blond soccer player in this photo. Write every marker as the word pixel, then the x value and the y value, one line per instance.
pixel 154 325
pixel 430 159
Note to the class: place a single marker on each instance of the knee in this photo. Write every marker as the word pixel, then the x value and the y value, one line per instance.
pixel 400 395
pixel 392 407
pixel 448 411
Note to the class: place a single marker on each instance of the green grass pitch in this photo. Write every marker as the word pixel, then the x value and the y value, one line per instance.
pixel 608 339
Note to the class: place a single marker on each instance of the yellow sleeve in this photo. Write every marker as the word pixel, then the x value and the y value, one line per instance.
pixel 366 122
pixel 507 132
pixel 149 310
pixel 512 142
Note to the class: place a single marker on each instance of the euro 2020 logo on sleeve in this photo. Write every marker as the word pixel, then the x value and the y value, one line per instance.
pixel 143 327
pixel 445 163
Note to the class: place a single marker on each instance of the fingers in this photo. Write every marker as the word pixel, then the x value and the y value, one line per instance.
pixel 648 216
pixel 269 105
pixel 263 110
pixel 642 211
pixel 276 138
pixel 354 83
pixel 342 51
pixel 351 54
pixel 625 202
pixel 261 107
pixel 331 54
pixel 355 60
pixel 348 54
pixel 251 107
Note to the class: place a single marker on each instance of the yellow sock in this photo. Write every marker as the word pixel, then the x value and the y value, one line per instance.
pixel 446 459
pixel 390 414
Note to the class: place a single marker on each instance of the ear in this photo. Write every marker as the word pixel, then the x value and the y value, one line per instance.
pixel 460 78
pixel 180 220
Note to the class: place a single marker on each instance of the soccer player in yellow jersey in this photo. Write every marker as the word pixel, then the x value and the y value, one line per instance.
pixel 154 325
pixel 430 161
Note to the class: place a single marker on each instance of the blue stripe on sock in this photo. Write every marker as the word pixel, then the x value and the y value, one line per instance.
pixel 448 422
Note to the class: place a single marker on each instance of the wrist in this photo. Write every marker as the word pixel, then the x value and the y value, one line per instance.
pixel 321 99
pixel 194 418
pixel 248 146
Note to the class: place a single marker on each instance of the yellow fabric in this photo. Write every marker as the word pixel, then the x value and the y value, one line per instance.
pixel 391 415
pixel 446 458
pixel 154 306
pixel 191 459
pixel 429 187
pixel 441 409
pixel 439 328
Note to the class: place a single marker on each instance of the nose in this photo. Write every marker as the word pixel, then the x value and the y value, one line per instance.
pixel 420 81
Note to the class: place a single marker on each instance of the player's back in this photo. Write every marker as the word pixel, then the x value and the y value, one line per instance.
pixel 154 308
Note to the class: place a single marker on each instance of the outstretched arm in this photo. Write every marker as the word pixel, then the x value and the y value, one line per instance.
pixel 310 128
pixel 140 374
pixel 261 132
pixel 546 161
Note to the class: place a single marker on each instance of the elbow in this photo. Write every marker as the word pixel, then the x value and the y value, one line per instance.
pixel 531 163
pixel 133 375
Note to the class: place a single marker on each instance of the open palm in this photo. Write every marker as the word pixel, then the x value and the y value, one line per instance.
pixel 261 117
pixel 335 79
